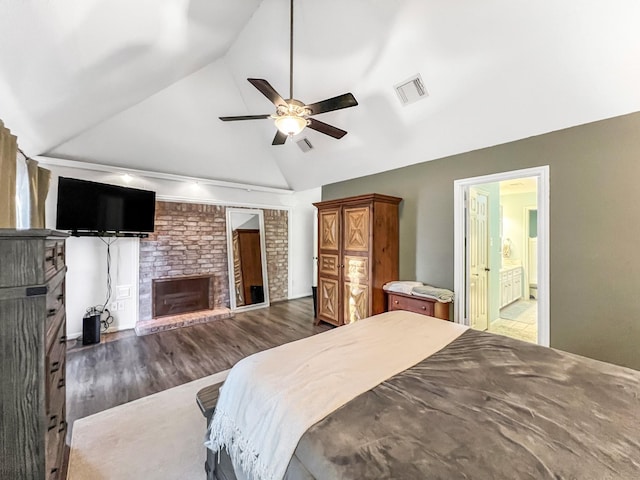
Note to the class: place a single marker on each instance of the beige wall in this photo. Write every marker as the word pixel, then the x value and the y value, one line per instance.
pixel 594 227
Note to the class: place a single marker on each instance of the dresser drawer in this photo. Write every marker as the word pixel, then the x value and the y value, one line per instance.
pixel 416 304
pixel 411 304
pixel 54 445
pixel 55 304
pixel 54 257
pixel 56 390
pixel 55 371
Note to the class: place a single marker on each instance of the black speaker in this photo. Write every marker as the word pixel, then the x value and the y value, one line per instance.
pixel 314 293
pixel 91 328
pixel 257 294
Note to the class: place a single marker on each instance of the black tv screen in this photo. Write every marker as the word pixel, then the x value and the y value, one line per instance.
pixel 85 206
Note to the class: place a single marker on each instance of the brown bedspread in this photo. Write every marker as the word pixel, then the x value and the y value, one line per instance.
pixel 485 407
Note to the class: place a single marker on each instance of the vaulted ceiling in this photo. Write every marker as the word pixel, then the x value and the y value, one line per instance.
pixel 141 84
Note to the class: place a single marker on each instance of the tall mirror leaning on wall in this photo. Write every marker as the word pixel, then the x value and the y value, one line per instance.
pixel 247 260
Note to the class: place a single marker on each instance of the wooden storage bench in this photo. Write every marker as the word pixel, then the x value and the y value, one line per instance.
pixel 206 400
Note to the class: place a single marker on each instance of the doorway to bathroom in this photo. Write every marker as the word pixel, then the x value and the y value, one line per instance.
pixel 517 315
pixel 501 254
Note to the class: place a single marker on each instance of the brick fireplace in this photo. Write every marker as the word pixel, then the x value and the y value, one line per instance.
pixel 191 241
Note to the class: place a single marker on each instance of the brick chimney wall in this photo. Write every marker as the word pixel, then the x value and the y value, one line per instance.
pixel 191 239
pixel 276 225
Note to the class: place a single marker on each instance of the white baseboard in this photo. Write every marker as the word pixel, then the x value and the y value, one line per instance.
pixel 300 295
pixel 111 329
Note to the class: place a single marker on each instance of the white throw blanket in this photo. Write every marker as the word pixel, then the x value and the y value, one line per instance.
pixel 401 286
pixel 271 398
pixel 440 294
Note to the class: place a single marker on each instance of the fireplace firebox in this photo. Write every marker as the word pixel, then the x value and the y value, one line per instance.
pixel 173 296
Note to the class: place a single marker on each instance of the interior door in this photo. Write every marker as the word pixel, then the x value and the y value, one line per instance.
pixel 478 259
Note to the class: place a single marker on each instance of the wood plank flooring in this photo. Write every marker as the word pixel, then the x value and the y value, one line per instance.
pixel 124 367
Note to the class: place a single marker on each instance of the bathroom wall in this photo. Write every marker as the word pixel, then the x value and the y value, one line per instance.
pixel 513 222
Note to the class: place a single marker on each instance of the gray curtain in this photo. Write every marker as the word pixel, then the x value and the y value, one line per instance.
pixel 8 159
pixel 39 180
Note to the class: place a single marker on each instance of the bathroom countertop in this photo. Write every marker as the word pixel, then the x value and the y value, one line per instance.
pixel 506 268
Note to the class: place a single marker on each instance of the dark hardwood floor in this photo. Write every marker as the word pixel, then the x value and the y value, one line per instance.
pixel 124 367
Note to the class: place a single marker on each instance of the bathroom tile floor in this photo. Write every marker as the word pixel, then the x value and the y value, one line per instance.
pixel 523 327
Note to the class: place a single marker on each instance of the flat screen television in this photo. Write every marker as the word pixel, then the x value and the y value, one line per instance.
pixel 89 207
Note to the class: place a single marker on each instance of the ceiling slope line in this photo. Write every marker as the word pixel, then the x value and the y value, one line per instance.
pixel 61 162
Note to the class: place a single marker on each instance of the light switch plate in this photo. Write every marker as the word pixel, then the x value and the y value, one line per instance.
pixel 123 291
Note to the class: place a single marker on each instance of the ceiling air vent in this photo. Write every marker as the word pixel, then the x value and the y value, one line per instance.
pixel 305 144
pixel 411 90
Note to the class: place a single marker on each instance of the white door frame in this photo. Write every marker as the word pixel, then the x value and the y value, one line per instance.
pixel 460 188
pixel 525 244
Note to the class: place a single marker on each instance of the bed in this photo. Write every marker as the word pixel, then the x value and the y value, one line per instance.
pixel 480 406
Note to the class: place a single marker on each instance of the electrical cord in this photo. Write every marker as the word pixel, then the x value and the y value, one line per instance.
pixel 105 321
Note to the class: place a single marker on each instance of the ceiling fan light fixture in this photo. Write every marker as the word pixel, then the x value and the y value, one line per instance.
pixel 290 124
pixel 292 116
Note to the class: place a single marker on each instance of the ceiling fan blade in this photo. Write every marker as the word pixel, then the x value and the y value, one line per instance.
pixel 267 90
pixel 243 117
pixel 280 138
pixel 326 128
pixel 336 103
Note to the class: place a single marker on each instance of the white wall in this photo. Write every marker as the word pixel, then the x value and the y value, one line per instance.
pixel 86 256
pixel 301 243
pixel 86 282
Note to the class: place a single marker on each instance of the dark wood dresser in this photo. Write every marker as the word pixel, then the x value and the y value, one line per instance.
pixel 416 304
pixel 32 354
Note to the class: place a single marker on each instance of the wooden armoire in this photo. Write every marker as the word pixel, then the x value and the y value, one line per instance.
pixel 357 254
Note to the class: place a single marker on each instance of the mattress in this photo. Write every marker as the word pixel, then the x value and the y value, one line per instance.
pixel 485 406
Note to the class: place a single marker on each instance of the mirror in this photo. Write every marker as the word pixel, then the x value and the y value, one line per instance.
pixel 248 288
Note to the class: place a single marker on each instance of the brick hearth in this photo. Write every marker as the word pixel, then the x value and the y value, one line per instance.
pixel 161 324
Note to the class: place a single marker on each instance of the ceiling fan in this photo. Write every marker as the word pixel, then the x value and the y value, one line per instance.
pixel 292 116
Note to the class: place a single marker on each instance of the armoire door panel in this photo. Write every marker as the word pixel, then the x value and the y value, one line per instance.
pixel 356 302
pixel 356 229
pixel 356 269
pixel 329 299
pixel 328 264
pixel 329 221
